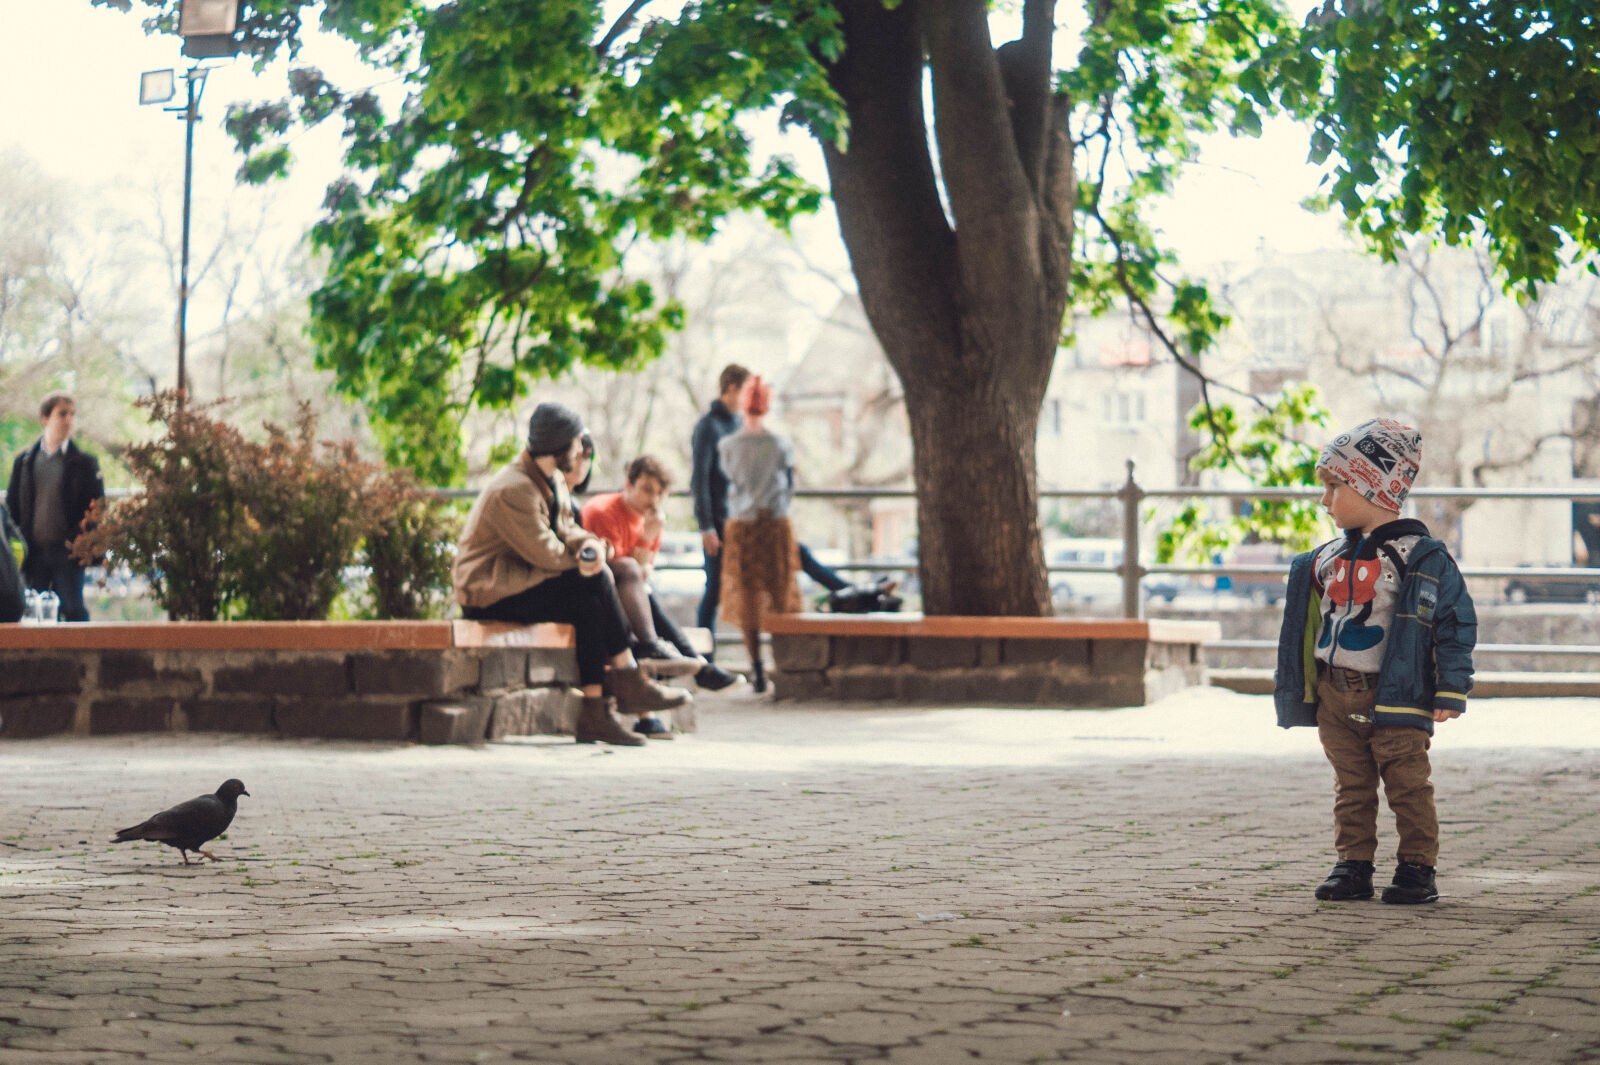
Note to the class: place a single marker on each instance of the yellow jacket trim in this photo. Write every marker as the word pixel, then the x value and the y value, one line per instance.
pixel 1403 710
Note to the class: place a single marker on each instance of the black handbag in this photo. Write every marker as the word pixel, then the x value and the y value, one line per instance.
pixel 862 599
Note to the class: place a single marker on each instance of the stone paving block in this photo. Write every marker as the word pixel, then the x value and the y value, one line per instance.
pixel 127 714
pixel 37 674
pixel 462 720
pixel 797 652
pixel 866 650
pixel 1071 692
pixel 37 715
pixel 1117 657
pixel 951 654
pixel 1046 652
pixel 416 674
pixel 320 675
pixel 348 719
pixel 552 665
pixel 1002 687
pixel 803 685
pixel 535 712
pixel 864 684
pixel 685 718
pixel 140 669
pixel 243 713
pixel 502 668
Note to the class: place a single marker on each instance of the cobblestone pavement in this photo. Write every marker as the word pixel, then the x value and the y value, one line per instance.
pixel 802 884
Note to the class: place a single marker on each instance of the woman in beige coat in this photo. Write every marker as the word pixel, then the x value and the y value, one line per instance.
pixel 523 558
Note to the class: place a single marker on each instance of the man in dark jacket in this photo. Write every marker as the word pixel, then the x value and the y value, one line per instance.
pixel 53 485
pixel 709 488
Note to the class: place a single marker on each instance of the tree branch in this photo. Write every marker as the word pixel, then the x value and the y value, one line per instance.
pixel 619 27
pixel 884 185
pixel 989 192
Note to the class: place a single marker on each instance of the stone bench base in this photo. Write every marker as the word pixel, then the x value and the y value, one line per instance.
pixel 985 661
pixel 430 681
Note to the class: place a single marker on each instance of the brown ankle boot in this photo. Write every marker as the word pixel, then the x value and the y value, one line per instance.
pixel 598 724
pixel 638 694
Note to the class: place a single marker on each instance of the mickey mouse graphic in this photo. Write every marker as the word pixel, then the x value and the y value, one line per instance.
pixel 1354 582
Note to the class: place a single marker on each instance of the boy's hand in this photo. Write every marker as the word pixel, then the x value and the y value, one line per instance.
pixel 652 525
pixel 1446 715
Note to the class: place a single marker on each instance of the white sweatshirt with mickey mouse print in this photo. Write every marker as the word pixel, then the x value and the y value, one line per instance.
pixel 1359 580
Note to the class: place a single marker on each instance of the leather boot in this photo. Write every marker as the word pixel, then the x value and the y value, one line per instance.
pixel 638 694
pixel 598 724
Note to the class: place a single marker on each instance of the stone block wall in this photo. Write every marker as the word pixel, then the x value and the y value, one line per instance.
pixel 453 695
pixel 982 670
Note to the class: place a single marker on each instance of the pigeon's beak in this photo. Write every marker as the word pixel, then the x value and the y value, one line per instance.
pixel 244 793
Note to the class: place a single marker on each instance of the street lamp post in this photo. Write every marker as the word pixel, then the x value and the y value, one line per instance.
pixel 196 77
pixel 207 28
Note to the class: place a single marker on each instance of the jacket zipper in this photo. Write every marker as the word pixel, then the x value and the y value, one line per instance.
pixel 1350 598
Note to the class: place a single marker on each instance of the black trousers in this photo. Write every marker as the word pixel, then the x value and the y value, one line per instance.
pixel 706 616
pixel 820 573
pixel 588 604
pixel 668 629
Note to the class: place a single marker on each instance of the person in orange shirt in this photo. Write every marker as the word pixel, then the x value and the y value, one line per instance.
pixel 631 522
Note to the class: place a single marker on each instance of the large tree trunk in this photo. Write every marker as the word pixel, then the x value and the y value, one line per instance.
pixel 968 302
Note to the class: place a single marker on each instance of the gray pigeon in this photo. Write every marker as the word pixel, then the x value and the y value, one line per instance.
pixel 189 825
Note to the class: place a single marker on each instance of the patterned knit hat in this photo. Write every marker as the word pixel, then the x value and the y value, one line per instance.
pixel 1378 458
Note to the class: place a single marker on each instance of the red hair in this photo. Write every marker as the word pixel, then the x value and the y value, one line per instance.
pixel 756 396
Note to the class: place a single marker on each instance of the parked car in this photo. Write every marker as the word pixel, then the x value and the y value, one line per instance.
pixel 1086 586
pixel 1265 588
pixel 1552 590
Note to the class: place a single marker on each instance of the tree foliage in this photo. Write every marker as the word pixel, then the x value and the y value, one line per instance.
pixel 1454 117
pixel 480 237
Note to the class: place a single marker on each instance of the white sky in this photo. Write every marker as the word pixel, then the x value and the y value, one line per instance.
pixel 69 77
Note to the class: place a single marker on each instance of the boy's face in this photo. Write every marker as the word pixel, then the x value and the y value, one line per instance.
pixel 1348 508
pixel 643 494
pixel 59 424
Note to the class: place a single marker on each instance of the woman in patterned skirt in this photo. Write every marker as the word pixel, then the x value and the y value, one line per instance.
pixel 759 555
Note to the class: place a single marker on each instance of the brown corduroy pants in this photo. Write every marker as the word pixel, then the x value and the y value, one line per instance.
pixel 1363 754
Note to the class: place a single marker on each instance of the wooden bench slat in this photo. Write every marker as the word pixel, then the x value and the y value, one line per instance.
pixel 512 634
pixel 230 636
pixel 1159 630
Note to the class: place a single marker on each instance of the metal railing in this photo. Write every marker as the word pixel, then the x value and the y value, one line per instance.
pixel 1131 495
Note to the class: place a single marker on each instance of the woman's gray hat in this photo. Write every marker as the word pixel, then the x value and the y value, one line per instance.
pixel 552 428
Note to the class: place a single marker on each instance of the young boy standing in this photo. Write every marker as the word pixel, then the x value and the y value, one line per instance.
pixel 1376 647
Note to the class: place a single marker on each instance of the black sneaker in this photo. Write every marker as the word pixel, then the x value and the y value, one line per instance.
pixel 652 728
pixel 1413 883
pixel 1350 879
pixel 714 678
pixel 660 659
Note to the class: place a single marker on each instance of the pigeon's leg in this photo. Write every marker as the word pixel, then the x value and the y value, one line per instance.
pixel 185 856
pixel 208 854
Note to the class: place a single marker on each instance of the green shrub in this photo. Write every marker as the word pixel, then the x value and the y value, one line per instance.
pixel 223 527
pixel 187 525
pixel 409 547
pixel 307 515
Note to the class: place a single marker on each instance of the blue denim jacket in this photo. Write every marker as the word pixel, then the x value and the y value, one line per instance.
pixel 1427 663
